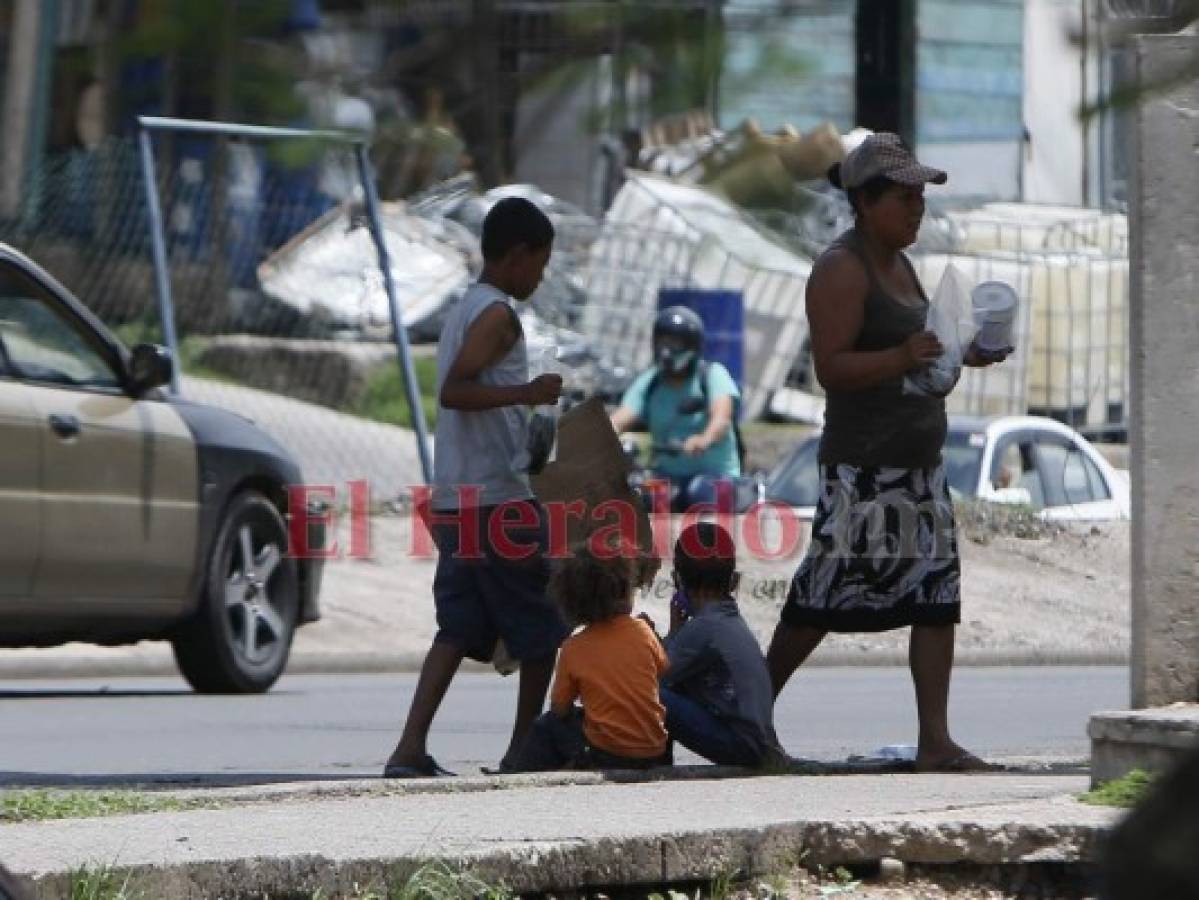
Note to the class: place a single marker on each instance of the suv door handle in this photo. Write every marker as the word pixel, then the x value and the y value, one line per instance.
pixel 65 426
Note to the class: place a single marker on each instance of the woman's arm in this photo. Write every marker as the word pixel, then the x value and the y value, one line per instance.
pixel 836 303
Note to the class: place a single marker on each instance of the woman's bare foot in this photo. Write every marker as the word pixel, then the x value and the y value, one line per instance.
pixel 952 758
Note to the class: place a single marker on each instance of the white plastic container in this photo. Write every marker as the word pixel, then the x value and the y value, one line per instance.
pixel 995 306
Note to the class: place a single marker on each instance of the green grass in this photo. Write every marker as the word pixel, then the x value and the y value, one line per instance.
pixel 1122 792
pixel 433 881
pixel 39 805
pixel 437 881
pixel 101 883
pixel 385 400
pixel 190 349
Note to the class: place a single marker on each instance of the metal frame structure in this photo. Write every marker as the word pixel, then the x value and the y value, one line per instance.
pixel 360 145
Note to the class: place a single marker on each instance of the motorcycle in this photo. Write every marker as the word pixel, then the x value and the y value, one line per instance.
pixel 712 491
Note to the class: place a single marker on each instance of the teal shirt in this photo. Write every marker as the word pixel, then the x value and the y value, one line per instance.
pixel 666 423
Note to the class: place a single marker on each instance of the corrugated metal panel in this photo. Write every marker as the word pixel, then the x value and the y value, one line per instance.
pixel 969 70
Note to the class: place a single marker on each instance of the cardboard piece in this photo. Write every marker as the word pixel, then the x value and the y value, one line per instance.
pixel 591 466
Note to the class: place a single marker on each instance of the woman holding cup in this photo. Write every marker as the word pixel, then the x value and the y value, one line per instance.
pixel 884 550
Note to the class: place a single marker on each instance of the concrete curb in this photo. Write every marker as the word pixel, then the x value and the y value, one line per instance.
pixel 354 663
pixel 570 865
pixel 563 832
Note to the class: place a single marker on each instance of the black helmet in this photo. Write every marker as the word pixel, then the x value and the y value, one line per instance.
pixel 680 322
pixel 688 328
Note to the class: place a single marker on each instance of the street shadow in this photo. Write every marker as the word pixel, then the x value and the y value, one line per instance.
pixel 83 694
pixel 103 693
pixel 172 780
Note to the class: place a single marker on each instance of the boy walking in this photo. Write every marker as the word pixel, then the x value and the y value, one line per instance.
pixel 490 532
pixel 717 693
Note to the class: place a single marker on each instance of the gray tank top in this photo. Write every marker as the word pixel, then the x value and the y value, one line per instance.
pixel 484 448
pixel 883 426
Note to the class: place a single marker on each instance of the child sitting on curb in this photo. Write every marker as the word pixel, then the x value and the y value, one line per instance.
pixel 717 693
pixel 612 666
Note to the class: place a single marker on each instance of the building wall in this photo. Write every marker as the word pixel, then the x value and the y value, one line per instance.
pixel 1053 93
pixel 986 70
pixel 555 144
pixel 819 39
pixel 969 88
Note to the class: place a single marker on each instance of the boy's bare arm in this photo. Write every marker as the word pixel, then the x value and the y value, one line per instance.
pixel 489 337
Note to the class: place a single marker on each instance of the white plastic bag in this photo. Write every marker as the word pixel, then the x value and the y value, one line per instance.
pixel 951 319
pixel 543 419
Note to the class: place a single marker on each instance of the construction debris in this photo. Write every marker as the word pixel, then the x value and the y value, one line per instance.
pixel 330 271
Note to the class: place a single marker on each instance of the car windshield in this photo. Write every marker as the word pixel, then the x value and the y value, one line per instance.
pixel 796 481
pixel 963 455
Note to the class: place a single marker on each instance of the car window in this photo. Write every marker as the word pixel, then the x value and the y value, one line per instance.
pixel 1099 488
pixel 1070 477
pixel 42 342
pixel 796 481
pixel 963 455
pixel 1008 467
pixel 1015 466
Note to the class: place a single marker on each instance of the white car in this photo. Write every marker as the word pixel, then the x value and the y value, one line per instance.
pixel 1023 460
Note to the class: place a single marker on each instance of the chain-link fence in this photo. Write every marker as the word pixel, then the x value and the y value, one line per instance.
pixel 282 315
pixel 279 304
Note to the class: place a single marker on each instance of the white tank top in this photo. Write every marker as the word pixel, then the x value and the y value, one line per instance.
pixel 487 448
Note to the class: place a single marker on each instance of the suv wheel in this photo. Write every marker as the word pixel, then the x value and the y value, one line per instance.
pixel 240 637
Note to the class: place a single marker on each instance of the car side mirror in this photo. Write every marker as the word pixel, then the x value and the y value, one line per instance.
pixel 150 366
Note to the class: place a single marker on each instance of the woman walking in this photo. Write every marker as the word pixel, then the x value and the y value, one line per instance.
pixel 884 545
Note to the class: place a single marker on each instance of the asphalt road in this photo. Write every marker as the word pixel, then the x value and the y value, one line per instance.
pixel 338 726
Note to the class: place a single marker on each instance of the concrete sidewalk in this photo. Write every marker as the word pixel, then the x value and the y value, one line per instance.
pixel 565 831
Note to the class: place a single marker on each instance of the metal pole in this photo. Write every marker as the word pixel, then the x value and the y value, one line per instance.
pixel 162 280
pixel 397 323
pixel 234 129
pixel 39 112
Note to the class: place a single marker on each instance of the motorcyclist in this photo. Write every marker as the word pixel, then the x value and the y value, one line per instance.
pixel 688 405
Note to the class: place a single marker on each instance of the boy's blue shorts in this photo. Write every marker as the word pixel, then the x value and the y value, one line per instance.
pixel 482 593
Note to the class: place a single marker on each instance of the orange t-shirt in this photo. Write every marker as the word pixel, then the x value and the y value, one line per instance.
pixel 613 667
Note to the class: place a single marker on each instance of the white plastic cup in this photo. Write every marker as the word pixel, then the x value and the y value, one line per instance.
pixel 994 305
pixel 543 360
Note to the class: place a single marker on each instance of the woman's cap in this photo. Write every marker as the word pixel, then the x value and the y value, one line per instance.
pixel 886 155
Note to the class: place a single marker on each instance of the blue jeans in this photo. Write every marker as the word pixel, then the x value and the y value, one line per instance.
pixel 706 734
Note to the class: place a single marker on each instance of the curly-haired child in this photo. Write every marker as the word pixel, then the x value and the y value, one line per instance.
pixel 612 666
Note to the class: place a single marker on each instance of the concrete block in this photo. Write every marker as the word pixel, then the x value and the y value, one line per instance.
pixel 330 373
pixel 1154 740
pixel 1164 321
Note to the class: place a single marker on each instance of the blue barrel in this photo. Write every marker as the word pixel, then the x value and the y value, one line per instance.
pixel 305 15
pixel 723 315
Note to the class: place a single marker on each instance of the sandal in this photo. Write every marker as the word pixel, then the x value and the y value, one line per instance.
pixel 426 768
pixel 962 763
pixel 505 767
